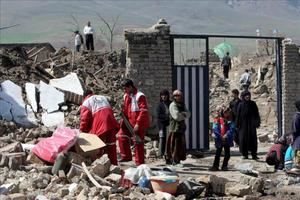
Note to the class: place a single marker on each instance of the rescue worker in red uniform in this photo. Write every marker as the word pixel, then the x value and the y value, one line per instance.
pixel 135 109
pixel 97 117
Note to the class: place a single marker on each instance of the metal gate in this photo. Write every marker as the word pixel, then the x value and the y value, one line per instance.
pixel 190 74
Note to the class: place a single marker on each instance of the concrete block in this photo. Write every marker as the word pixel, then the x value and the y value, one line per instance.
pixel 61 174
pixel 136 196
pixel 114 178
pixel 63 192
pixel 257 184
pixel 263 138
pixel 33 159
pixel 101 166
pixel 17 196
pixel 216 184
pixel 239 190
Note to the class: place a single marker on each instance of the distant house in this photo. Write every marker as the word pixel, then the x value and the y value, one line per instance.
pixel 37 51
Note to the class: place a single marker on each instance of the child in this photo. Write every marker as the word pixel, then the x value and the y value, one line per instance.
pixel 78 41
pixel 277 151
pixel 223 131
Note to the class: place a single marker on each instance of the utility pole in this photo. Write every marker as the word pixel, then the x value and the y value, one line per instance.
pixel 257 42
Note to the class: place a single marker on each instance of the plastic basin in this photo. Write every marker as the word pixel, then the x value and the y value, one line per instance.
pixel 164 183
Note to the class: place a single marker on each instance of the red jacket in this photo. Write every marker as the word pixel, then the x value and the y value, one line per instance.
pixel 136 109
pixel 96 115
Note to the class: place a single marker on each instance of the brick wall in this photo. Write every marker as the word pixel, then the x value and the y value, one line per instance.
pixel 148 61
pixel 290 83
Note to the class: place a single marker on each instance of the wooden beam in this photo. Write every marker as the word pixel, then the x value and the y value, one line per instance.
pixel 31 50
pixel 92 178
pixel 41 49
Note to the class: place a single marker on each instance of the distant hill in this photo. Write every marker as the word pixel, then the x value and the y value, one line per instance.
pixel 49 21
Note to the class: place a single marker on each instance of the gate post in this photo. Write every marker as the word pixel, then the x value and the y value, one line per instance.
pixel 148 61
pixel 290 83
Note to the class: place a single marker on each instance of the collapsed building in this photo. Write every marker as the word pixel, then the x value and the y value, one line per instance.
pixel 42 89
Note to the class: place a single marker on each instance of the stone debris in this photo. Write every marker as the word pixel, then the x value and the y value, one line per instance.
pixel 50 98
pixel 31 94
pixel 263 137
pixel 101 166
pixel 53 119
pixel 239 190
pixel 11 98
pixel 69 83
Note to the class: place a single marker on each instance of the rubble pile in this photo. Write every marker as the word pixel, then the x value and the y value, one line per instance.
pixel 101 72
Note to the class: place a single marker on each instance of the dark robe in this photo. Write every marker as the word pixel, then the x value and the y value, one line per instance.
pixel 247 121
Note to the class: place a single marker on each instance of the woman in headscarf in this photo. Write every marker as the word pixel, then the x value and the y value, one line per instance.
pixel 247 121
pixel 163 118
pixel 176 146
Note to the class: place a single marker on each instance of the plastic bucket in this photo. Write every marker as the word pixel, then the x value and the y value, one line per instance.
pixel 164 183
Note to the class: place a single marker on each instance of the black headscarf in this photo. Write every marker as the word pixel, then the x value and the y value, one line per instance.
pixel 245 104
pixel 245 93
pixel 166 93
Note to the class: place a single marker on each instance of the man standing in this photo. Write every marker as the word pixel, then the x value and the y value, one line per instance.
pixel 88 31
pixel 176 146
pixel 248 120
pixel 233 105
pixel 96 117
pixel 226 64
pixel 135 109
pixel 245 80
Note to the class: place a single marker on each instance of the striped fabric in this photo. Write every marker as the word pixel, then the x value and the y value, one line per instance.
pixel 193 81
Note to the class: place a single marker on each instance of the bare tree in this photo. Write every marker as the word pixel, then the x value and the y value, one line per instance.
pixel 110 33
pixel 74 22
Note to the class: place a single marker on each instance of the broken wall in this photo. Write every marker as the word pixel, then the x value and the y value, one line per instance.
pixel 290 83
pixel 148 61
